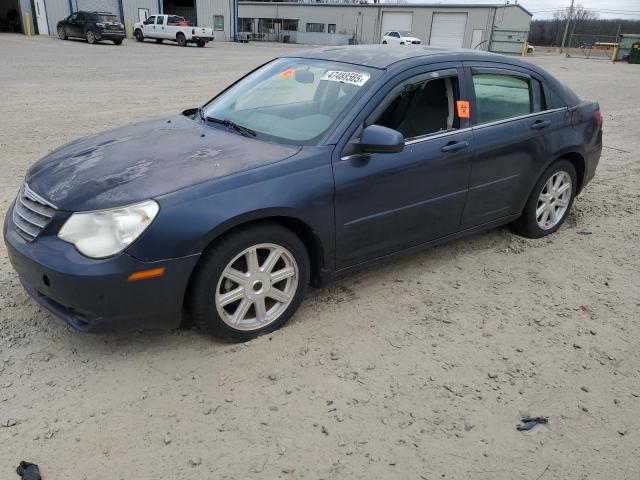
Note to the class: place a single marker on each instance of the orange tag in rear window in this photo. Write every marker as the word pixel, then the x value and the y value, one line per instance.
pixel 463 108
pixel 287 73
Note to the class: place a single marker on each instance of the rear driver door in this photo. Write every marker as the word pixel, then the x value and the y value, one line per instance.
pixel 514 134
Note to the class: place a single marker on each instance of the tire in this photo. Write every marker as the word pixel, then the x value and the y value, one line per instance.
pixel 401 43
pixel 159 40
pixel 139 36
pixel 210 282
pixel 62 33
pixel 90 36
pixel 181 39
pixel 117 42
pixel 384 42
pixel 554 213
pixel 201 43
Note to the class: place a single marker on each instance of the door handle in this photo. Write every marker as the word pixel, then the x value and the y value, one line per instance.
pixel 454 146
pixel 540 124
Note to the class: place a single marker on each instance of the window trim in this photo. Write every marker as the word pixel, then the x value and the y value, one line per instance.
pixel 218 28
pixel 505 70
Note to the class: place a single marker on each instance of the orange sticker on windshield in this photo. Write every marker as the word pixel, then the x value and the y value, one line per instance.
pixel 287 73
pixel 463 108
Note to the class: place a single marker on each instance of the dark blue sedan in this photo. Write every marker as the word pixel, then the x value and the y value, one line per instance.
pixel 310 166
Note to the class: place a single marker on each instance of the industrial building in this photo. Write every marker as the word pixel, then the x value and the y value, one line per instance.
pixel 496 27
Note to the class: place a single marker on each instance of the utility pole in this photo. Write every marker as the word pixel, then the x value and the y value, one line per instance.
pixel 566 28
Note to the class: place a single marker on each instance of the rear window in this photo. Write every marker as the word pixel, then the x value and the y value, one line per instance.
pixel 501 96
pixel 105 18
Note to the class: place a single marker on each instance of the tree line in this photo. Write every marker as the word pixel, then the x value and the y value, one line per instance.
pixel 585 26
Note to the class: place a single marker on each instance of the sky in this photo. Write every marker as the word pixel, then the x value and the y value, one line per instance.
pixel 629 9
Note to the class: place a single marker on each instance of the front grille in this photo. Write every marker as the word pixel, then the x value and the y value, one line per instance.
pixel 31 213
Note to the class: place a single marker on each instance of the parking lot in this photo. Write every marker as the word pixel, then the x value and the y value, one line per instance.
pixel 420 368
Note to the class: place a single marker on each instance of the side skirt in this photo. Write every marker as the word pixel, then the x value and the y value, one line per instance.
pixel 327 276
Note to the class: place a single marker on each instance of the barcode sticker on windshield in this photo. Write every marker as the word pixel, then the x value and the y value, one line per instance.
pixel 354 78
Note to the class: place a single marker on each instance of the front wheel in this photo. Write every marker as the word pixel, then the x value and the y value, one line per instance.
pixel 139 36
pixel 550 201
pixel 91 37
pixel 62 34
pixel 250 282
pixel 182 40
pixel 384 42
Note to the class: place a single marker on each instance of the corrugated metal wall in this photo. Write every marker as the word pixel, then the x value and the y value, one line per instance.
pixel 207 9
pixel 56 11
pixel 130 8
pixel 111 6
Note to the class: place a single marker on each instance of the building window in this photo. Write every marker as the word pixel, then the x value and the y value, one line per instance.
pixel 218 22
pixel 246 24
pixel 332 28
pixel 315 27
pixel 289 25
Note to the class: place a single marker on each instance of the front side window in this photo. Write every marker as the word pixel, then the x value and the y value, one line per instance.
pixel 423 108
pixel 315 27
pixel 151 20
pixel 499 97
pixel 394 34
pixel 218 22
pixel 292 100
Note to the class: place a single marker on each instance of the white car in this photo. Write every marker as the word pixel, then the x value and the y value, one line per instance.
pixel 174 28
pixel 400 37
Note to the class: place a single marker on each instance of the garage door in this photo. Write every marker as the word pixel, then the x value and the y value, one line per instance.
pixel 447 29
pixel 396 21
pixel 112 6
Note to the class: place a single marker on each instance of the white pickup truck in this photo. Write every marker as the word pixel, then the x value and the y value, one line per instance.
pixel 174 28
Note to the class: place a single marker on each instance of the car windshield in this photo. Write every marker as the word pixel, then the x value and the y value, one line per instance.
pixel 106 18
pixel 291 100
pixel 404 33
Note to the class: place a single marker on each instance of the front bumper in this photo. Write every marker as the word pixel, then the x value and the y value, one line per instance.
pixel 95 295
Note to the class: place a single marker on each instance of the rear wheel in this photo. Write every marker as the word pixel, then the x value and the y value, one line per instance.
pixel 181 39
pixel 91 37
pixel 139 36
pixel 550 201
pixel 200 43
pixel 118 41
pixel 62 34
pixel 384 42
pixel 159 40
pixel 250 282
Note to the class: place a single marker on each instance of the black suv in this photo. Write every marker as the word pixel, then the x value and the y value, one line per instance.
pixel 94 26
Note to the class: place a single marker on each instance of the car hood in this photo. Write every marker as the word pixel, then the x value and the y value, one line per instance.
pixel 144 160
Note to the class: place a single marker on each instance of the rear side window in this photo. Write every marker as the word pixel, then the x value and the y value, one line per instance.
pixel 501 96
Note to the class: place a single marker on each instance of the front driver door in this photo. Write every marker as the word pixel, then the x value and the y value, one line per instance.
pixel 388 202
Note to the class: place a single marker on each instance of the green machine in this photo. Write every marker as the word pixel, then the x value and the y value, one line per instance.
pixel 634 53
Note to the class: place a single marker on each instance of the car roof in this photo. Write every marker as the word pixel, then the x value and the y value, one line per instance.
pixel 383 56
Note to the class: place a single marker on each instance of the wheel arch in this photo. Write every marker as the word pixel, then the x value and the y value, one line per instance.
pixel 301 229
pixel 578 162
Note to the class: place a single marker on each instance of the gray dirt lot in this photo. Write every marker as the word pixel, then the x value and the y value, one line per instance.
pixel 415 369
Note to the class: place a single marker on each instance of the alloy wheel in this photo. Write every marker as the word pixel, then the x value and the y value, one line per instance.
pixel 257 287
pixel 554 200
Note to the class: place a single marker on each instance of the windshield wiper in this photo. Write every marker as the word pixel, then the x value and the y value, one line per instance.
pixel 247 132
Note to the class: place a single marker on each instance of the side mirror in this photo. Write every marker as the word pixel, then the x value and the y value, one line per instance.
pixel 378 139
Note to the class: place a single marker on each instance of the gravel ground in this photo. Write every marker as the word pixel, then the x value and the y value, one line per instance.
pixel 419 368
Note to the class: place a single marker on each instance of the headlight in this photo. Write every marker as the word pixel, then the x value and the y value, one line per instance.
pixel 103 233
